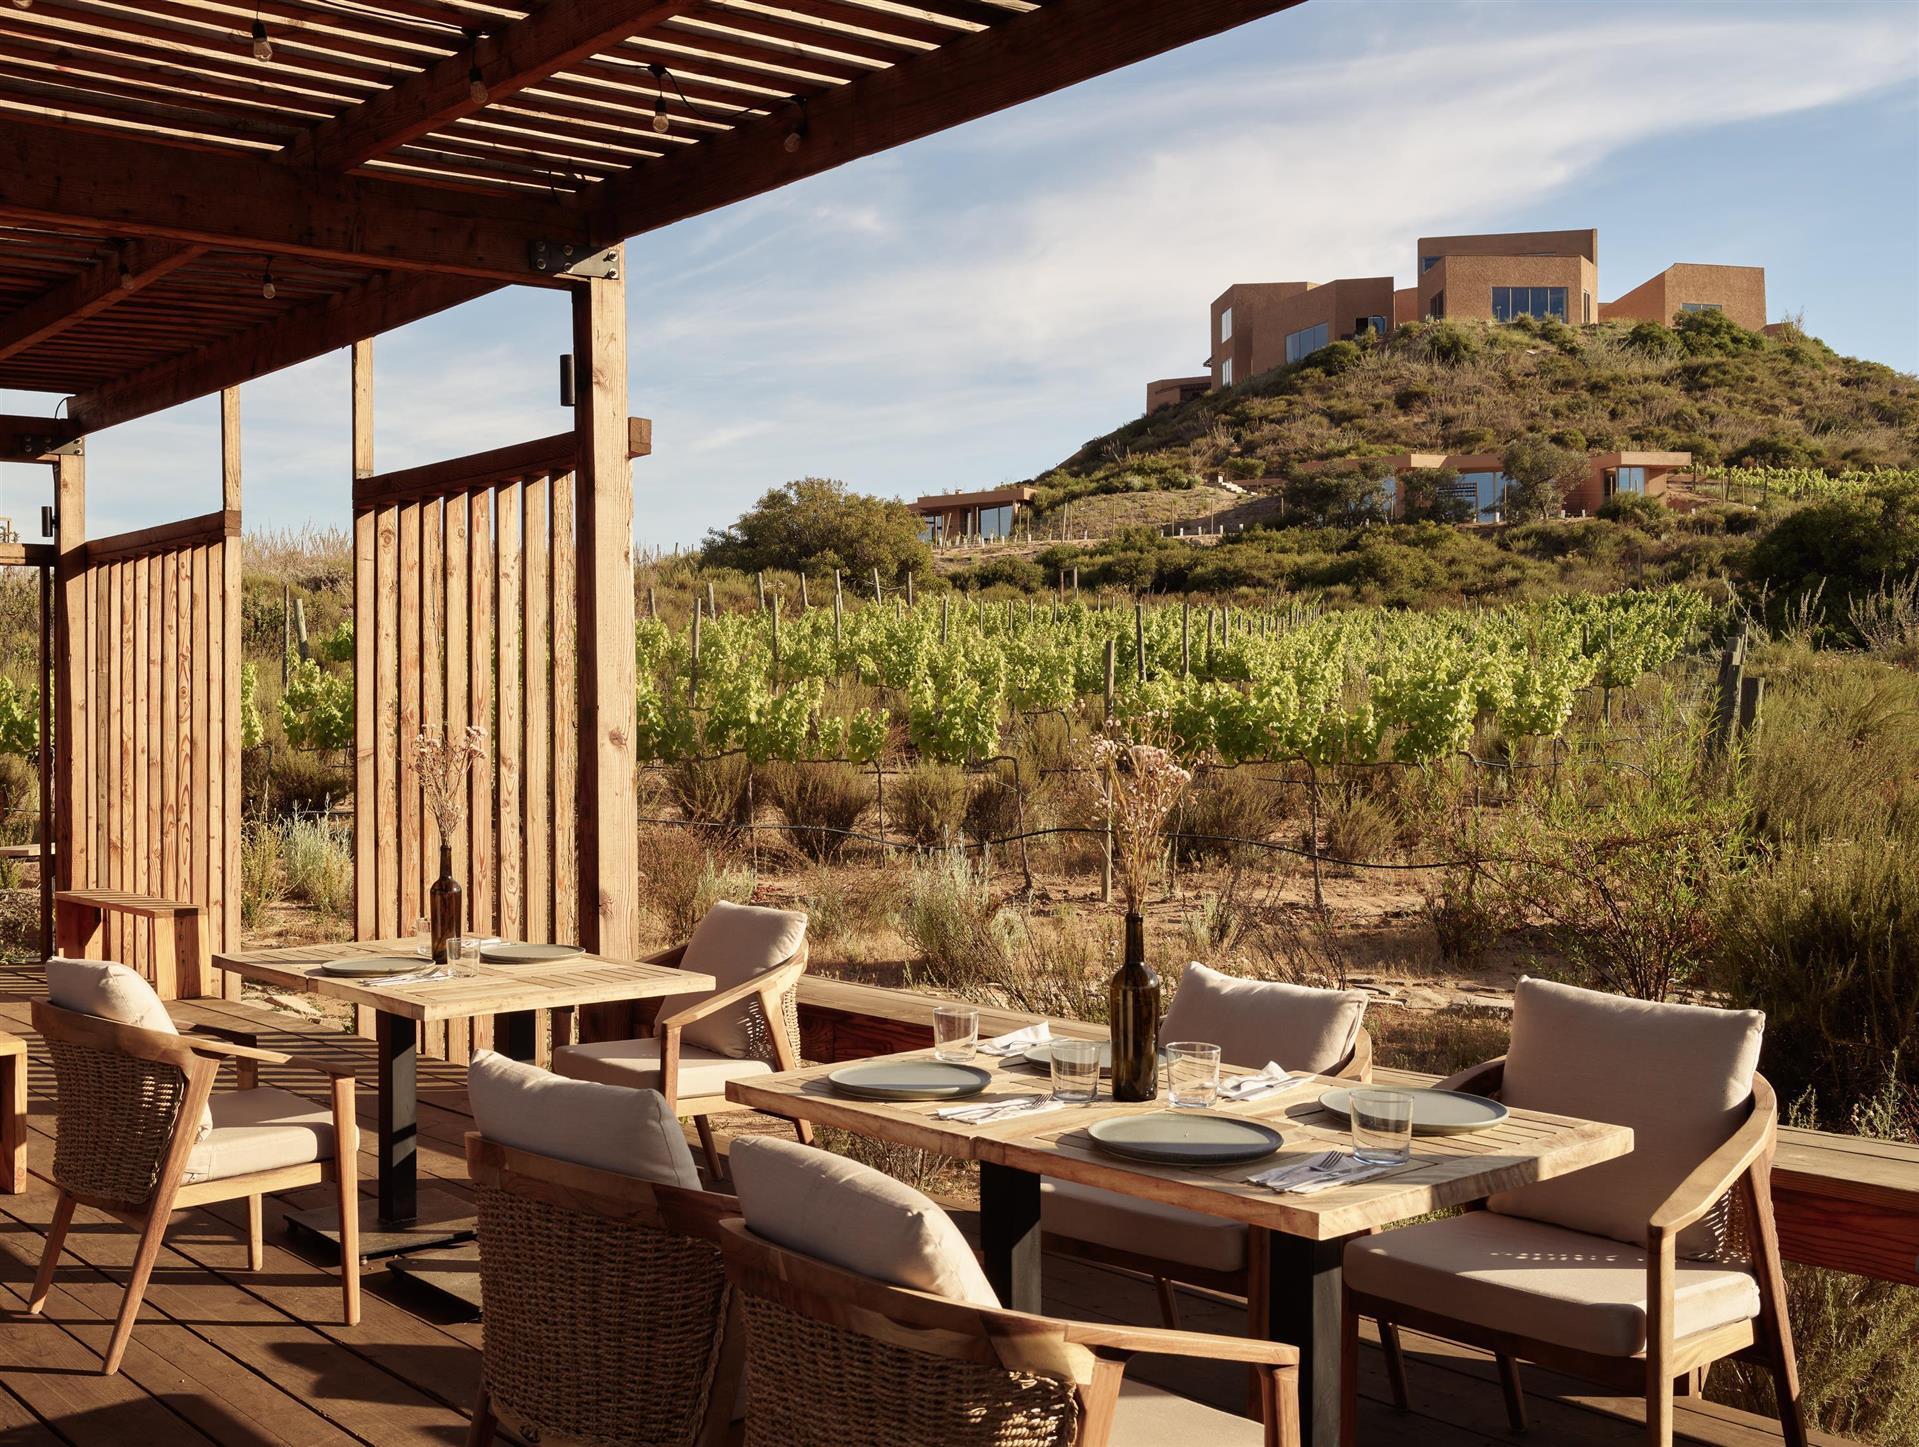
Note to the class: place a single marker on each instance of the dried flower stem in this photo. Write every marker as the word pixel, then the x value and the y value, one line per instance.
pixel 444 761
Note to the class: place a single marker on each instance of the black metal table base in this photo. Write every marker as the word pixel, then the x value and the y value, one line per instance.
pixel 442 1219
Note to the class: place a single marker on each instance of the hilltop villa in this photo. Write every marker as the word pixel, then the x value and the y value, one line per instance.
pixel 1256 326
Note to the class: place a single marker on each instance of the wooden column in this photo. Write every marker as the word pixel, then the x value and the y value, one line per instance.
pixel 365 740
pixel 72 842
pixel 222 929
pixel 609 831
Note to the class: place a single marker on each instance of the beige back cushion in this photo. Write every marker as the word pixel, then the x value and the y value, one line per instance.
pixel 1679 1075
pixel 108 990
pixel 851 1216
pixel 733 944
pixel 609 1127
pixel 1254 1021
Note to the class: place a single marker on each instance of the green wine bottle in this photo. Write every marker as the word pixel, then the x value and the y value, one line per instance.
pixel 1133 1002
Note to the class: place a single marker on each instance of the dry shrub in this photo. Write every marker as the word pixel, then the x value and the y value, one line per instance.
pixel 1223 806
pixel 680 881
pixel 1463 925
pixel 1359 831
pixel 928 804
pixel 316 864
pixel 261 883
pixel 1439 1042
pixel 846 909
pixel 993 812
pixel 716 793
pixel 821 804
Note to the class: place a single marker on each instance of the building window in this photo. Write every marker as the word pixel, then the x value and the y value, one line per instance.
pixel 1226 373
pixel 1226 325
pixel 1374 324
pixel 1427 263
pixel 1512 302
pixel 1305 342
pixel 1700 306
pixel 1626 479
pixel 996 522
pixel 1487 492
pixel 1586 298
pixel 1438 308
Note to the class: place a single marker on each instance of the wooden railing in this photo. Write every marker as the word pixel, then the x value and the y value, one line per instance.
pixel 1843 1202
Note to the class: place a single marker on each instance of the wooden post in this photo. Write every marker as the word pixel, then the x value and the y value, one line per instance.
pixel 876 585
pixel 693 666
pixel 909 590
pixel 222 930
pixel 652 603
pixel 608 814
pixel 73 841
pixel 839 612
pixel 1139 637
pixel 365 721
pixel 803 603
pixel 712 608
pixel 776 640
pixel 759 581
pixel 1186 638
pixel 1110 652
pixel 945 608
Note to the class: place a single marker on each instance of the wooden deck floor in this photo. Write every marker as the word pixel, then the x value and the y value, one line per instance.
pixel 235 1358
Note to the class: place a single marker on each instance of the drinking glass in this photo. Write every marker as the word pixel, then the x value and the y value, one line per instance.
pixel 469 950
pixel 1075 1070
pixel 1192 1074
pixel 955 1033
pixel 1382 1127
pixel 423 936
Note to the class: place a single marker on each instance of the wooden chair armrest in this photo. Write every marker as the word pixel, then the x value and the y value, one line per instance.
pixel 670 957
pixel 1161 1342
pixel 1720 1171
pixel 231 1034
pixel 226 1050
pixel 769 987
pixel 1484 1078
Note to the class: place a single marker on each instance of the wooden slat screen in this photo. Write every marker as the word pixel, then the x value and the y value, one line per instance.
pixel 465 597
pixel 152 626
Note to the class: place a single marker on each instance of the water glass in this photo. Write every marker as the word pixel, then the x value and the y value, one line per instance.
pixel 1382 1127
pixel 1192 1074
pixel 955 1033
pixel 1075 1070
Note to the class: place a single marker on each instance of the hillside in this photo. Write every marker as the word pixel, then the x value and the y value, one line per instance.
pixel 1707 387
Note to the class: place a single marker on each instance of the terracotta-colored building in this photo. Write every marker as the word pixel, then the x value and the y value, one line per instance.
pixel 984 515
pixel 1173 391
pixel 1254 327
pixel 1482 482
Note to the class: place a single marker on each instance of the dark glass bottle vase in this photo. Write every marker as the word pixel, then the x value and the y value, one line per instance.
pixel 1133 999
pixel 443 910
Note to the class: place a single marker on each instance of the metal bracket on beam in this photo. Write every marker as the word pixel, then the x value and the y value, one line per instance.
pixel 564 258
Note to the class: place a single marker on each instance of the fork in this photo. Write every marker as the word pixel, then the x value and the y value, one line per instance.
pixel 1323 1162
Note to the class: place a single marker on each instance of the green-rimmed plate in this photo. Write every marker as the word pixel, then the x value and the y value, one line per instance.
pixel 371 967
pixel 1185 1138
pixel 509 954
pixel 1435 1112
pixel 909 1080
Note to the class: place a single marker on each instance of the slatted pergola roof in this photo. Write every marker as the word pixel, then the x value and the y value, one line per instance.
pixel 379 160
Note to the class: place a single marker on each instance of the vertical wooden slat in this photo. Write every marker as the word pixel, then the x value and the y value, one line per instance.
pixel 566 741
pixel 206 810
pixel 508 831
pixel 387 714
pixel 223 722
pixel 156 707
pixel 483 905
pixel 73 674
pixel 135 789
pixel 453 587
pixel 432 671
pixel 124 824
pixel 408 842
pixel 230 550
pixel 167 843
pixel 366 840
pixel 536 757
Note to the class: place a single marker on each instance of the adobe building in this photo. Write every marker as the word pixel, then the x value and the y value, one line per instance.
pixel 1482 482
pixel 1175 391
pixel 986 516
pixel 1254 327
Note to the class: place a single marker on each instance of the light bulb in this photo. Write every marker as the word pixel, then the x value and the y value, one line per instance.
pixel 476 85
pixel 267 288
pixel 262 47
pixel 660 123
pixel 792 141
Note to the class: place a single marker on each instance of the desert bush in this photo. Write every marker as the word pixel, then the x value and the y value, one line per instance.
pixel 961 940
pixel 1439 1042
pixel 820 802
pixel 716 793
pixel 928 804
pixel 993 808
pixel 261 882
pixel 845 909
pixel 316 864
pixel 307 782
pixel 680 881
pixel 1211 927
pixel 1838 756
pixel 1887 620
pixel 1463 924
pixel 1059 966
pixel 1224 806
pixel 1359 830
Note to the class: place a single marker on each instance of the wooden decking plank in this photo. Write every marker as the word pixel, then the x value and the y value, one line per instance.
pixel 18 1424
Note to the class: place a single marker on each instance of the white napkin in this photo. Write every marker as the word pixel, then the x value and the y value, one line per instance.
pixel 983 1113
pixel 1017 1042
pixel 1252 1087
pixel 1301 1179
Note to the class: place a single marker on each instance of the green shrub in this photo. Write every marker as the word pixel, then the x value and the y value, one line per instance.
pixel 1847 545
pixel 960 939
pixel 993 807
pixel 1711 333
pixel 1637 510
pixel 1653 339
pixel 1358 830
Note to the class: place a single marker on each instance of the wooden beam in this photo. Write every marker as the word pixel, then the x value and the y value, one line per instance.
pixel 230 449
pixel 558 453
pixel 122 273
pixel 300 334
pixel 34 439
pixel 126 186
pixel 609 842
pixel 31 555
pixel 209 527
pixel 1026 56
pixel 550 40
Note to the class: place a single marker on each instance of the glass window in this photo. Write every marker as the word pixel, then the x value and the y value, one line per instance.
pixel 1226 373
pixel 1488 492
pixel 1512 302
pixel 1588 305
pixel 1427 263
pixel 996 522
pixel 1306 341
pixel 1627 479
pixel 1699 306
pixel 1502 303
pixel 1374 324
pixel 1438 309
pixel 1226 325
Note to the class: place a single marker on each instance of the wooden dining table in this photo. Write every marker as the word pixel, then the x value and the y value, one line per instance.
pixel 1306 1234
pixel 514 994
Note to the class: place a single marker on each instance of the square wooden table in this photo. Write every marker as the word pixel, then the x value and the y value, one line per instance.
pixel 514 993
pixel 1306 1234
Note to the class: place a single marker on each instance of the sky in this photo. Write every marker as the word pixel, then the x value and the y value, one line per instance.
pixel 969 309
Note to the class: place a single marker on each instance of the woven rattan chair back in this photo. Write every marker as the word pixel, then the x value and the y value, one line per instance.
pixel 838 1360
pixel 606 1304
pixel 759 1040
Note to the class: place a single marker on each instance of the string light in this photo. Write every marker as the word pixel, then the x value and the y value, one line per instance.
pixel 796 136
pixel 476 84
pixel 267 288
pixel 262 47
pixel 660 122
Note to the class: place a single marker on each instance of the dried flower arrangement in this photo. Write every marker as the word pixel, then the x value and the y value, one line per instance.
pixel 1136 788
pixel 444 760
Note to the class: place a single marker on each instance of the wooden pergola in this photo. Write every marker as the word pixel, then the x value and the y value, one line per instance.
pixel 194 193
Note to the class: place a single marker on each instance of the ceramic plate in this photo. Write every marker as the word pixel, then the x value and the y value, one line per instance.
pixel 502 954
pixel 1185 1138
pixel 1042 1055
pixel 370 968
pixel 909 1080
pixel 1435 1112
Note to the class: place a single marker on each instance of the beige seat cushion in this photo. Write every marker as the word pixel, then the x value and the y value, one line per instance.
pixel 1541 1281
pixel 606 1126
pixel 1254 1021
pixel 1679 1075
pixel 636 1063
pixel 1149 1228
pixel 849 1215
pixel 261 1130
pixel 108 990
pixel 1149 1417
pixel 734 943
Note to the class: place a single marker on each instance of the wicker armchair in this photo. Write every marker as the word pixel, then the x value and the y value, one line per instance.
pixel 607 1309
pixel 835 1359
pixel 131 1143
pixel 748 1026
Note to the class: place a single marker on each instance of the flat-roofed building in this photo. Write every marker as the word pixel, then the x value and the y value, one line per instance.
pixel 1686 286
pixel 1503 276
pixel 1481 480
pixel 1174 391
pixel 1257 326
pixel 988 515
